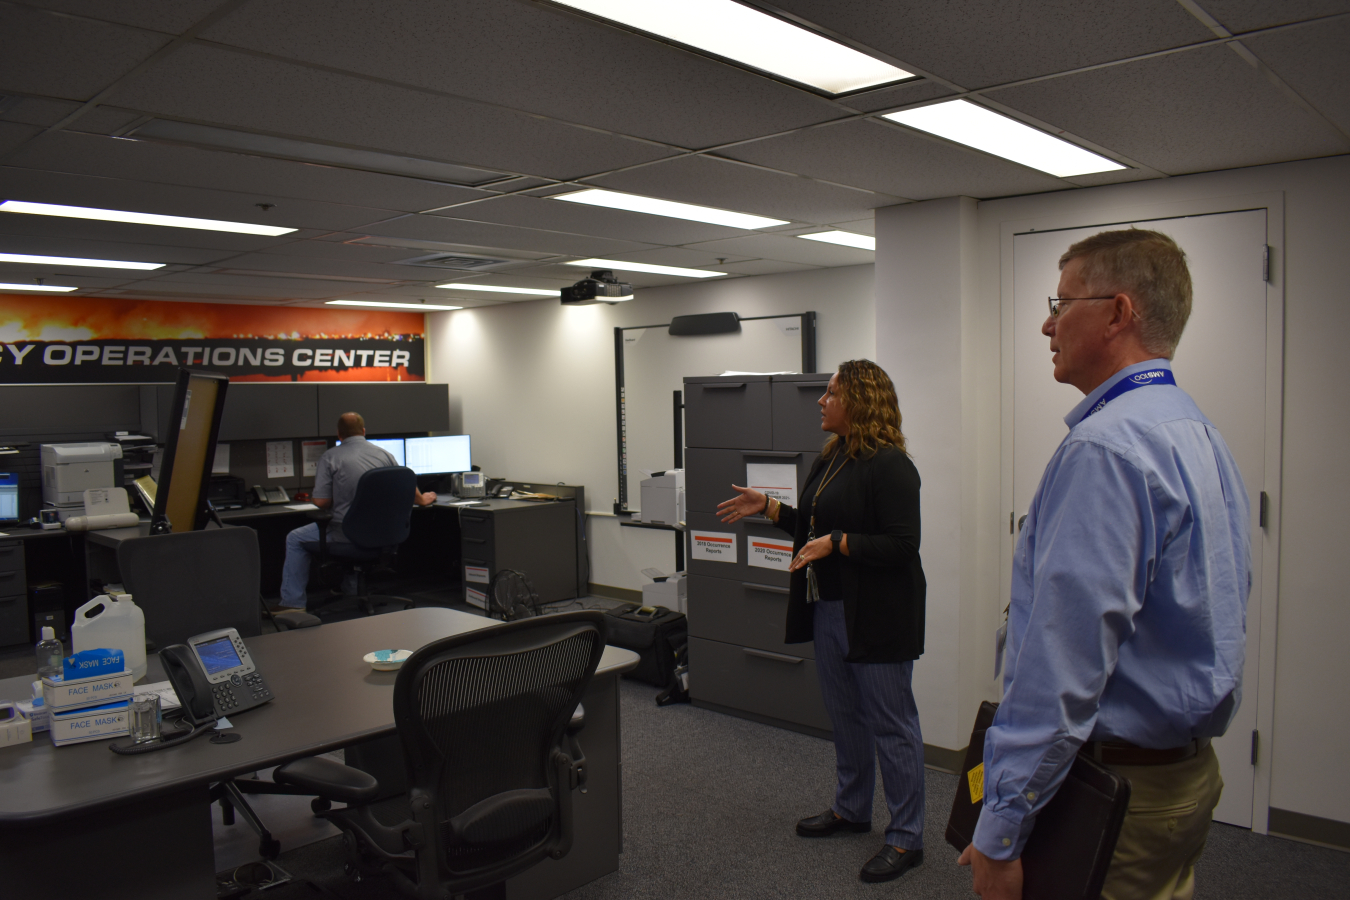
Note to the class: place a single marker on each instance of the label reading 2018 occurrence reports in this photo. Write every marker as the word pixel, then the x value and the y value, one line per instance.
pixel 715 546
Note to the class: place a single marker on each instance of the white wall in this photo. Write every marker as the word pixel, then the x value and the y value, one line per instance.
pixel 533 383
pixel 1311 710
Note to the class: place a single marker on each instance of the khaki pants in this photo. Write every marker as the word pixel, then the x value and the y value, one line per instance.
pixel 1165 829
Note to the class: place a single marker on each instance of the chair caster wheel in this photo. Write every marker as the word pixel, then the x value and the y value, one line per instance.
pixel 269 848
pixel 319 804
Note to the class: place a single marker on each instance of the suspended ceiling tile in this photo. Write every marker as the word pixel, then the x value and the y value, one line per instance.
pixel 40 111
pixel 176 200
pixel 559 215
pixel 764 267
pixel 723 184
pixel 63 56
pixel 895 160
pixel 234 89
pixel 1187 112
pixel 148 237
pixel 788 249
pixel 860 226
pixel 1246 15
pixel 560 64
pixel 513 185
pixel 149 161
pixel 293 287
pixel 487 234
pixel 272 262
pixel 976 43
pixel 1315 62
pixel 13 134
pixel 103 120
pixel 573 274
pixel 337 250
pixel 680 256
pixel 516 280
pixel 900 95
pixel 89 249
pixel 172 16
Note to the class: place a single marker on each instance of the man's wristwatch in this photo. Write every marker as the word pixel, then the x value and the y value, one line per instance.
pixel 835 537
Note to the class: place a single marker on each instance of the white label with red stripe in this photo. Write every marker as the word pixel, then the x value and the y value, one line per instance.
pixel 714 546
pixel 476 598
pixel 769 553
pixel 476 574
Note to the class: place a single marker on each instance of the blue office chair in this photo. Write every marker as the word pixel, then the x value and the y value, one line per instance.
pixel 486 722
pixel 375 524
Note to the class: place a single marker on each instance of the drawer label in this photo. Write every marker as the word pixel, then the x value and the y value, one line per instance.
pixel 769 553
pixel 476 574
pixel 477 598
pixel 773 480
pixel 715 546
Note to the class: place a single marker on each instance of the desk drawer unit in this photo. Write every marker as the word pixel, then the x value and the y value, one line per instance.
pixel 765 684
pixel 13 595
pixel 538 539
pixel 741 612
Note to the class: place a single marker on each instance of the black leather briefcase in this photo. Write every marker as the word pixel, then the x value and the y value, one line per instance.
pixel 1070 848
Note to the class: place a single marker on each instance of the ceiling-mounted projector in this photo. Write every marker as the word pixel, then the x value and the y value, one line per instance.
pixel 601 287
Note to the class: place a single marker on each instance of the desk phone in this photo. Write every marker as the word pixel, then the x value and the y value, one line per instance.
pixel 214 675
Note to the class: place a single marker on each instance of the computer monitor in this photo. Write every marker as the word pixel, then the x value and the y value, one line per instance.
pixel 9 497
pixel 393 445
pixel 189 451
pixel 439 455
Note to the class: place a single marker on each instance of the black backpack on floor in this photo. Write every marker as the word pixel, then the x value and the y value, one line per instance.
pixel 654 633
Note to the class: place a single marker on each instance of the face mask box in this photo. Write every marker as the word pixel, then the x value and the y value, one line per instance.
pixel 59 694
pixel 95 723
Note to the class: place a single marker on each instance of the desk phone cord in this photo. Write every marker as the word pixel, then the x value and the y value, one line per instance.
pixel 173 740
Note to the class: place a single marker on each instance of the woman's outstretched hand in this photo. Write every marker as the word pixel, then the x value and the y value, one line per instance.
pixel 747 502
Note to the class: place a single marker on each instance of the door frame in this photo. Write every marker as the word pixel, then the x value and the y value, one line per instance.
pixel 1263 692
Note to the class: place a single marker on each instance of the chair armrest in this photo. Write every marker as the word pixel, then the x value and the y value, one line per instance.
pixel 321 517
pixel 329 779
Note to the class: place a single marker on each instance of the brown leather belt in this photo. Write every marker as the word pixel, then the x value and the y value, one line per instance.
pixel 1123 753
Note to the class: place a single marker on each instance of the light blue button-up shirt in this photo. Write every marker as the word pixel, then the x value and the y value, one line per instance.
pixel 1129 599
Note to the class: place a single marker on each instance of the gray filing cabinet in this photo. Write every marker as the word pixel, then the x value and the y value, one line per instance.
pixel 538 539
pixel 738 662
pixel 13 595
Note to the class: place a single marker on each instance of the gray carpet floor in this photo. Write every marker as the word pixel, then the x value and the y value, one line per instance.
pixel 709 805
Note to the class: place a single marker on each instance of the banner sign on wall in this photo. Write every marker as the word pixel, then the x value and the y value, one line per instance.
pixel 46 340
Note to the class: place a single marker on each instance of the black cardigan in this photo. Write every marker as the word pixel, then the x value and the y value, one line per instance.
pixel 882 577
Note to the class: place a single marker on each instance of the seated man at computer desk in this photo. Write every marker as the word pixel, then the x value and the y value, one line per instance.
pixel 334 488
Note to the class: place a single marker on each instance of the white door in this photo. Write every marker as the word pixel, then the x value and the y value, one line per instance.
pixel 1220 362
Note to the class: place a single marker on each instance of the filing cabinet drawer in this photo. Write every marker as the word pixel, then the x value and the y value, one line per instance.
pixel 777 685
pixel 741 612
pixel 11 560
pixel 13 583
pixel 796 413
pixel 709 474
pixel 728 412
pixel 742 533
pixel 13 619
pixel 476 532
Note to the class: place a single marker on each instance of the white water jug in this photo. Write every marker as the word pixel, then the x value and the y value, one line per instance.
pixel 108 623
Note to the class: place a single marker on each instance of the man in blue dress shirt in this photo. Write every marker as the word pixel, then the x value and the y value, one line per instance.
pixel 1127 624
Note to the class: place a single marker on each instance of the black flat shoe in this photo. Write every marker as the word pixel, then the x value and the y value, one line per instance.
pixel 827 823
pixel 890 863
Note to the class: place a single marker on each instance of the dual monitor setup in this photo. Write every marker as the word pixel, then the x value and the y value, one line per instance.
pixel 446 454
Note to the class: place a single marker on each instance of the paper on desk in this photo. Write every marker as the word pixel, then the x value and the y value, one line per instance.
pixel 310 451
pixel 167 698
pixel 280 459
pixel 221 464
pixel 300 507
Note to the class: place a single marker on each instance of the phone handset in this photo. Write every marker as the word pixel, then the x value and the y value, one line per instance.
pixel 189 683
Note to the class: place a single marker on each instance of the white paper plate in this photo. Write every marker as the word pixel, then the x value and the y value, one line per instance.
pixel 386 660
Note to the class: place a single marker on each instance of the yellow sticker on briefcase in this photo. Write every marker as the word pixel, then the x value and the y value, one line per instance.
pixel 976 778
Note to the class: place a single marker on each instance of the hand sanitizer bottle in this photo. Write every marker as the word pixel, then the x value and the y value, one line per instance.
pixel 50 654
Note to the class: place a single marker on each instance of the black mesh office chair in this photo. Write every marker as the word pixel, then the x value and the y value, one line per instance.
pixel 375 524
pixel 484 722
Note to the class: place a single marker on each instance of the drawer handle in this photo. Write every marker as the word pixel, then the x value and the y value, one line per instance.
pixel 811 384
pixel 5 600
pixel 725 386
pixel 776 657
pixel 759 520
pixel 464 518
pixel 766 588
pixel 784 454
pixel 475 540
pixel 8 574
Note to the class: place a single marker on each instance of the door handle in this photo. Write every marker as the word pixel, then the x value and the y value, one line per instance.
pixel 776 657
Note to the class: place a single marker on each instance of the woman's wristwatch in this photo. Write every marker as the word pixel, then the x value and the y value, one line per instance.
pixel 835 537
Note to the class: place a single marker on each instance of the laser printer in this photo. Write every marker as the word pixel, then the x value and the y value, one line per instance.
pixel 68 470
pixel 663 497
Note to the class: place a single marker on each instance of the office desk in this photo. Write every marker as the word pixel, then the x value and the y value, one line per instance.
pixel 80 819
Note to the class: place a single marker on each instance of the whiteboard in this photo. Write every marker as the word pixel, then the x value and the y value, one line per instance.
pixel 656 364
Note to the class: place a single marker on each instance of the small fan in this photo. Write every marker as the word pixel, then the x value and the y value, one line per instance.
pixel 512 597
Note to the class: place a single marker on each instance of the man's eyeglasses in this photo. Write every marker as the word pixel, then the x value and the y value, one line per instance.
pixel 1057 303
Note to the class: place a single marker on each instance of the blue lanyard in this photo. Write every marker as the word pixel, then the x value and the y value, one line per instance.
pixel 1133 382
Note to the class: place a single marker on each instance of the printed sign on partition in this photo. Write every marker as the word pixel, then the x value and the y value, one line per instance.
pixel 773 480
pixel 769 553
pixel 714 546
pixel 476 574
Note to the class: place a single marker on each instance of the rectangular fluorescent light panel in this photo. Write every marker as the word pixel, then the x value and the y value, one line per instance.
pixel 35 287
pixel 135 218
pixel 496 289
pixel 420 307
pixel 844 238
pixel 750 37
pixel 972 125
pixel 623 266
pixel 74 261
pixel 653 206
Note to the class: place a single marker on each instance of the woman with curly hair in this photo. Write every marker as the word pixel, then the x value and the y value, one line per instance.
pixel 858 591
